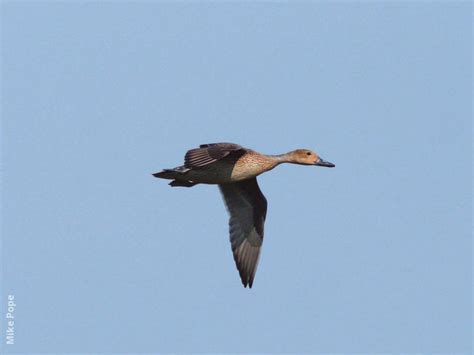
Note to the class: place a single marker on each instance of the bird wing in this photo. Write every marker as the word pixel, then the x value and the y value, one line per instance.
pixel 210 153
pixel 247 207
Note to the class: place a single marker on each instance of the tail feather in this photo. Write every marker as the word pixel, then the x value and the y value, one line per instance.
pixel 165 174
pixel 171 173
pixel 182 183
pixel 177 175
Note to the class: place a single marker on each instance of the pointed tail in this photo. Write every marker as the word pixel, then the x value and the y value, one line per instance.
pixel 165 174
pixel 171 174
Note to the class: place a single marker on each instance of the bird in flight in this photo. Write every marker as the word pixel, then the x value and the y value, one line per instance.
pixel 235 169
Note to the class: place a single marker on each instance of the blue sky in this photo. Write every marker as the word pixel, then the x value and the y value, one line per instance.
pixel 372 256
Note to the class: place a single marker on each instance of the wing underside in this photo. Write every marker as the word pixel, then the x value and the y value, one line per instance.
pixel 247 207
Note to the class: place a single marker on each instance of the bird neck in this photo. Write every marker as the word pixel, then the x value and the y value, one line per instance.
pixel 283 158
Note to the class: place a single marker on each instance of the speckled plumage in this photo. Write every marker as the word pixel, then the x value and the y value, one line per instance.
pixel 237 165
pixel 234 169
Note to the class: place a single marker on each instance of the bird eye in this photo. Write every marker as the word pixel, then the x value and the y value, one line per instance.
pixel 308 153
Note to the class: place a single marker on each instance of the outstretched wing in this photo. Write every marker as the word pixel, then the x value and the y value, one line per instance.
pixel 210 153
pixel 247 208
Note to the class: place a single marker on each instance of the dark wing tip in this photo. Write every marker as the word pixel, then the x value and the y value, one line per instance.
pixel 246 279
pixel 246 273
pixel 246 282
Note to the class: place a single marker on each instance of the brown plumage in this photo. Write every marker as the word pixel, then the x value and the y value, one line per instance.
pixel 235 169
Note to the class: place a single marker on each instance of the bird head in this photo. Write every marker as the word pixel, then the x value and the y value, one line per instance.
pixel 308 157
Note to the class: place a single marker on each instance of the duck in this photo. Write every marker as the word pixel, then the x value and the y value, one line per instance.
pixel 235 169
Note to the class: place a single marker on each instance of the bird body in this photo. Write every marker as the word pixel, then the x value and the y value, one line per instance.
pixel 235 169
pixel 246 166
pixel 240 164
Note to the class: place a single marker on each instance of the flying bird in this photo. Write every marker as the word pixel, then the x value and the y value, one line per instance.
pixel 235 169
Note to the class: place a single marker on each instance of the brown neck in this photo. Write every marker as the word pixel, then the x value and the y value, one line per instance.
pixel 284 158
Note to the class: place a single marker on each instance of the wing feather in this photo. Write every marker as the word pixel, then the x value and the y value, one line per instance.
pixel 209 153
pixel 247 207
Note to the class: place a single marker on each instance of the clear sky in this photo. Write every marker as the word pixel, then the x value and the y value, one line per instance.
pixel 372 256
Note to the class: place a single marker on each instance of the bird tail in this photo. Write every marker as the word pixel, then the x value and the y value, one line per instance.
pixel 175 173
pixel 166 174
